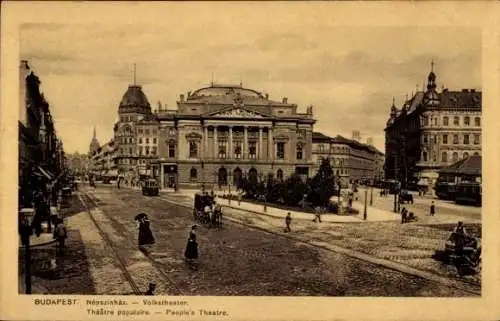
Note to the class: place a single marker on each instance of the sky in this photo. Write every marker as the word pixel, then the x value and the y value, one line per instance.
pixel 350 74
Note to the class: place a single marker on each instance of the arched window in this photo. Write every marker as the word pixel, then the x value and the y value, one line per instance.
pixel 455 156
pixel 444 157
pixel 466 155
pixel 279 174
pixel 445 121
pixel 193 174
pixel 476 154
pixel 466 120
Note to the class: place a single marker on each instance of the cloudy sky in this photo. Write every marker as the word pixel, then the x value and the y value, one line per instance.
pixel 349 74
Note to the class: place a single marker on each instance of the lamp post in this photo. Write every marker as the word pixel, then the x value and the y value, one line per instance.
pixel 366 199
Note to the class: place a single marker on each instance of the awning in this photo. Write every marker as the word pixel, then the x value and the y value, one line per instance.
pixel 45 173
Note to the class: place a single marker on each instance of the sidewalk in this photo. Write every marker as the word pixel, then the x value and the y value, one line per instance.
pixel 373 214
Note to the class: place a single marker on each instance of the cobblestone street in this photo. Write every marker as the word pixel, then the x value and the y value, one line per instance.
pixel 265 263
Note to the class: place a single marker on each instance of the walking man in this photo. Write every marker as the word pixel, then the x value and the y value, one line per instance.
pixel 317 214
pixel 432 209
pixel 288 221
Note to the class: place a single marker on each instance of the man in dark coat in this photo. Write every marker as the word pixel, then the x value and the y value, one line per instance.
pixel 432 209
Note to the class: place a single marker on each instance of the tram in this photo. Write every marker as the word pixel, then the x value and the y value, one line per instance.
pixel 468 193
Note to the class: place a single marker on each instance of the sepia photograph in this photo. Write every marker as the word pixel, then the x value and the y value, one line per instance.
pixel 247 158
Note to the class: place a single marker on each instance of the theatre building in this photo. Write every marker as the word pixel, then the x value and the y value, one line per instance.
pixel 217 135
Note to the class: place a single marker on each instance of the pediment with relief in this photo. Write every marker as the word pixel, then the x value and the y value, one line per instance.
pixel 237 113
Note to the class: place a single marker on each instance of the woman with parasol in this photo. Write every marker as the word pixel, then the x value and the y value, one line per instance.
pixel 191 252
pixel 145 235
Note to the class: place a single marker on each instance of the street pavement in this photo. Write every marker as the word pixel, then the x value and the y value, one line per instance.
pixel 234 260
pixel 446 211
pixel 389 243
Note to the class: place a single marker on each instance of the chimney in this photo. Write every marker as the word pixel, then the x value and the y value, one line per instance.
pixel 472 90
pixel 267 96
pixel 369 141
pixel 356 135
pixel 465 90
pixel 182 98
pixel 285 100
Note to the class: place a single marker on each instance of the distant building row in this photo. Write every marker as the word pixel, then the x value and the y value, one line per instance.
pixel 351 160
pixel 217 135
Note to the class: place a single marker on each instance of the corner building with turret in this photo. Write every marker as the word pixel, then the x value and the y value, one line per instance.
pixel 216 136
pixel 431 130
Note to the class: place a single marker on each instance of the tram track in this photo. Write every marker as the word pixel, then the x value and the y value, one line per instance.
pixel 463 285
pixel 129 242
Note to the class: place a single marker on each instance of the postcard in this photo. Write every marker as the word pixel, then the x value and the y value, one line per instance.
pixel 247 161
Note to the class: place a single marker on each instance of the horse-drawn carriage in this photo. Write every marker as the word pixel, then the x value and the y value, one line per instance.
pixel 405 197
pixel 464 252
pixel 206 211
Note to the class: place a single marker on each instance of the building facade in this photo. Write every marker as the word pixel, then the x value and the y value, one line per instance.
pixel 103 161
pixel 350 160
pixel 217 135
pixel 432 130
pixel 41 153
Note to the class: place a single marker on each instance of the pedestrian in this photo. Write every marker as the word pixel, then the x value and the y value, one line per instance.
pixel 151 289
pixel 60 235
pixel 288 221
pixel 403 215
pixel 432 209
pixel 36 224
pixel 317 214
pixel 191 252
pixel 145 234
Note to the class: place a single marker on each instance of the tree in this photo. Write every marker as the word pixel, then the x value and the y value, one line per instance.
pixel 275 188
pixel 322 186
pixel 294 190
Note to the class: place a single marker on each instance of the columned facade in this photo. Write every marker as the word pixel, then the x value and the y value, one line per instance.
pixel 216 136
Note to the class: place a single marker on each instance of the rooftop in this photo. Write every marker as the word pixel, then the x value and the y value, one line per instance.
pixel 468 166
pixel 135 97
